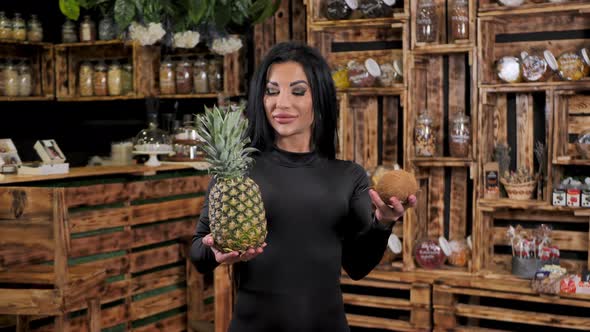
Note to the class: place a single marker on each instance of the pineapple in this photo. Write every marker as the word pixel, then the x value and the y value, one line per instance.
pixel 236 211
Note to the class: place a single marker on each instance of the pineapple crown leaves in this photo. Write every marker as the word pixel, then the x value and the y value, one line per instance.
pixel 226 141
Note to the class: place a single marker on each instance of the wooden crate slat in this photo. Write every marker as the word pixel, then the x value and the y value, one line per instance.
pixel 459 197
pixel 436 201
pixel 376 302
pixel 346 126
pixel 147 213
pixel 152 234
pixel 564 240
pixel 524 135
pixel 114 266
pixel 110 317
pixel 435 100
pixel 158 279
pixel 115 291
pixel 378 323
pixel 503 263
pixel 374 283
pixel 389 140
pixel 157 304
pixel 26 203
pixel 167 187
pixel 97 219
pixel 147 259
pixel 368 132
pixel 175 323
pixel 96 194
pixel 91 245
pixel 32 299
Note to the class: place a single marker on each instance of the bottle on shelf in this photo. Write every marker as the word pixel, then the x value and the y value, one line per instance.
pixel 460 20
pixel 459 135
pixel 106 28
pixel 424 136
pixel 25 79
pixel 426 22
pixel 35 29
pixel 10 80
pixel 87 30
pixel 86 79
pixel 101 79
pixel 68 32
pixel 19 28
pixel 200 77
pixel 5 27
pixel 114 79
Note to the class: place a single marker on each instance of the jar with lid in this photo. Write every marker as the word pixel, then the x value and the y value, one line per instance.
pixel 5 27
pixel 25 80
pixel 390 74
pixel 11 80
pixel 184 77
pixel 426 22
pixel 200 80
pixel 358 75
pixel 424 135
pixel 572 195
pixel 215 75
pixel 459 135
pixel 460 20
pixel 35 33
pixel 534 67
pixel 106 28
pixel 373 8
pixel 167 77
pixel 508 69
pixel 558 196
pixel 68 32
pixel 101 79
pixel 2 81
pixel 114 79
pixel 339 9
pixel 19 28
pixel 340 77
pixel 85 79
pixel 127 79
pixel 87 30
pixel 570 66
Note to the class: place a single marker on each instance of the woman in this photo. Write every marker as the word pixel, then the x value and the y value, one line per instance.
pixel 318 208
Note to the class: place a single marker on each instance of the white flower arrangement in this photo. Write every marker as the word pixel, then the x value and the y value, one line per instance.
pixel 186 39
pixel 226 45
pixel 146 35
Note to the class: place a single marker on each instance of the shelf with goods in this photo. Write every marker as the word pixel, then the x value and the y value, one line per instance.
pixel 443 26
pixel 30 68
pixel 493 8
pixel 317 18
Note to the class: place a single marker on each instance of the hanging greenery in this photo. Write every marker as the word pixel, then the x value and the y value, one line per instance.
pixel 182 20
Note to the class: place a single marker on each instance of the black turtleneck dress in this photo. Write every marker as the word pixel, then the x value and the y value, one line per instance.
pixel 319 220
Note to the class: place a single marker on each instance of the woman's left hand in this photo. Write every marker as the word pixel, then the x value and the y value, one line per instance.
pixel 387 213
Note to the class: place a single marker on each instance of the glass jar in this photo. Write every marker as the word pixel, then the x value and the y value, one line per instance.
pixel 200 80
pixel 114 79
pixel 426 22
pixel 215 75
pixel 429 254
pixel 106 28
pixel 340 78
pixel 11 80
pixel 5 27
pixel 2 81
pixel 68 32
pixel 25 80
pixel 424 136
pixel 184 77
pixel 101 79
pixel 167 77
pixel 585 196
pixel 508 69
pixel 19 28
pixel 127 79
pixel 85 79
pixel 87 30
pixel 460 253
pixel 459 136
pixel 373 8
pixel 389 75
pixel 534 68
pixel 558 195
pixel 572 195
pixel 570 66
pixel 460 20
pixel 339 9
pixel 359 76
pixel 35 33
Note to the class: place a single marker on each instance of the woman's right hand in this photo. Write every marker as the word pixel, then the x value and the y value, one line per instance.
pixel 233 256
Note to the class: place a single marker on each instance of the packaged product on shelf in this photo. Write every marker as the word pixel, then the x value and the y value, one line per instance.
pixel 167 77
pixel 200 80
pixel 114 79
pixel 5 27
pixel 460 253
pixel 100 79
pixel 573 192
pixel 184 77
pixel 68 32
pixel 460 135
pixel 339 9
pixel 106 28
pixel 548 279
pixel 426 22
pixel 19 28
pixel 558 196
pixel 585 196
pixel 508 69
pixel 11 80
pixel 87 30
pixel 534 67
pixel 25 80
pixel 460 20
pixel 35 29
pixel 570 66
pixel 576 283
pixel 340 77
pixel 424 136
pixel 86 79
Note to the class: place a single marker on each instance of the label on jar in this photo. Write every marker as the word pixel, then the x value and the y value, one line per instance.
pixel 585 200
pixel 460 139
pixel 573 197
pixel 559 198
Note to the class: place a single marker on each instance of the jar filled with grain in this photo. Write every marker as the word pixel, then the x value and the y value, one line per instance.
pixel 11 80
pixel 460 20
pixel 215 75
pixel 2 81
pixel 35 29
pixel 87 30
pixel 167 77
pixel 19 28
pixel 424 136
pixel 426 22
pixel 184 77
pixel 200 80
pixel 459 136
pixel 100 79
pixel 25 80
pixel 5 27
pixel 85 79
pixel 68 32
pixel 127 79
pixel 114 79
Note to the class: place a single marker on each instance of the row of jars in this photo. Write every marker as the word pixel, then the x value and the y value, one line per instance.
pixel 355 9
pixel 16 79
pixel 186 76
pixel 368 74
pixel 427 20
pixel 17 29
pixel 425 140
pixel 516 3
pixel 539 67
pixel 87 31
pixel 572 195
pixel 100 79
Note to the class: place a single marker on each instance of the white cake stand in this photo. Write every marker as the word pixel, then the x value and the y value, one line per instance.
pixel 153 160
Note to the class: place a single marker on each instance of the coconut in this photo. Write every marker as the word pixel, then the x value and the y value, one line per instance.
pixel 397 183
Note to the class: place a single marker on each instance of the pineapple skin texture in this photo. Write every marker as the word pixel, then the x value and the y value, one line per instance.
pixel 236 214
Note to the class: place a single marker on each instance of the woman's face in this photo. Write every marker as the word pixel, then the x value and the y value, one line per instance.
pixel 288 103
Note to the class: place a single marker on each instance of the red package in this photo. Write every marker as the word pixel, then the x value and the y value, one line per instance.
pixel 554 252
pixel 545 254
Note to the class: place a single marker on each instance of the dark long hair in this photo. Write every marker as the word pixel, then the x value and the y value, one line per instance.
pixel 322 91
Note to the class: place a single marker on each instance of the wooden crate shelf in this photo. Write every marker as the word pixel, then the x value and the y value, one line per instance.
pixel 31 98
pixel 532 87
pixel 40 57
pixel 444 49
pixel 397 90
pixel 441 162
pixel 572 117
pixel 491 8
pixel 509 304
pixel 316 18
